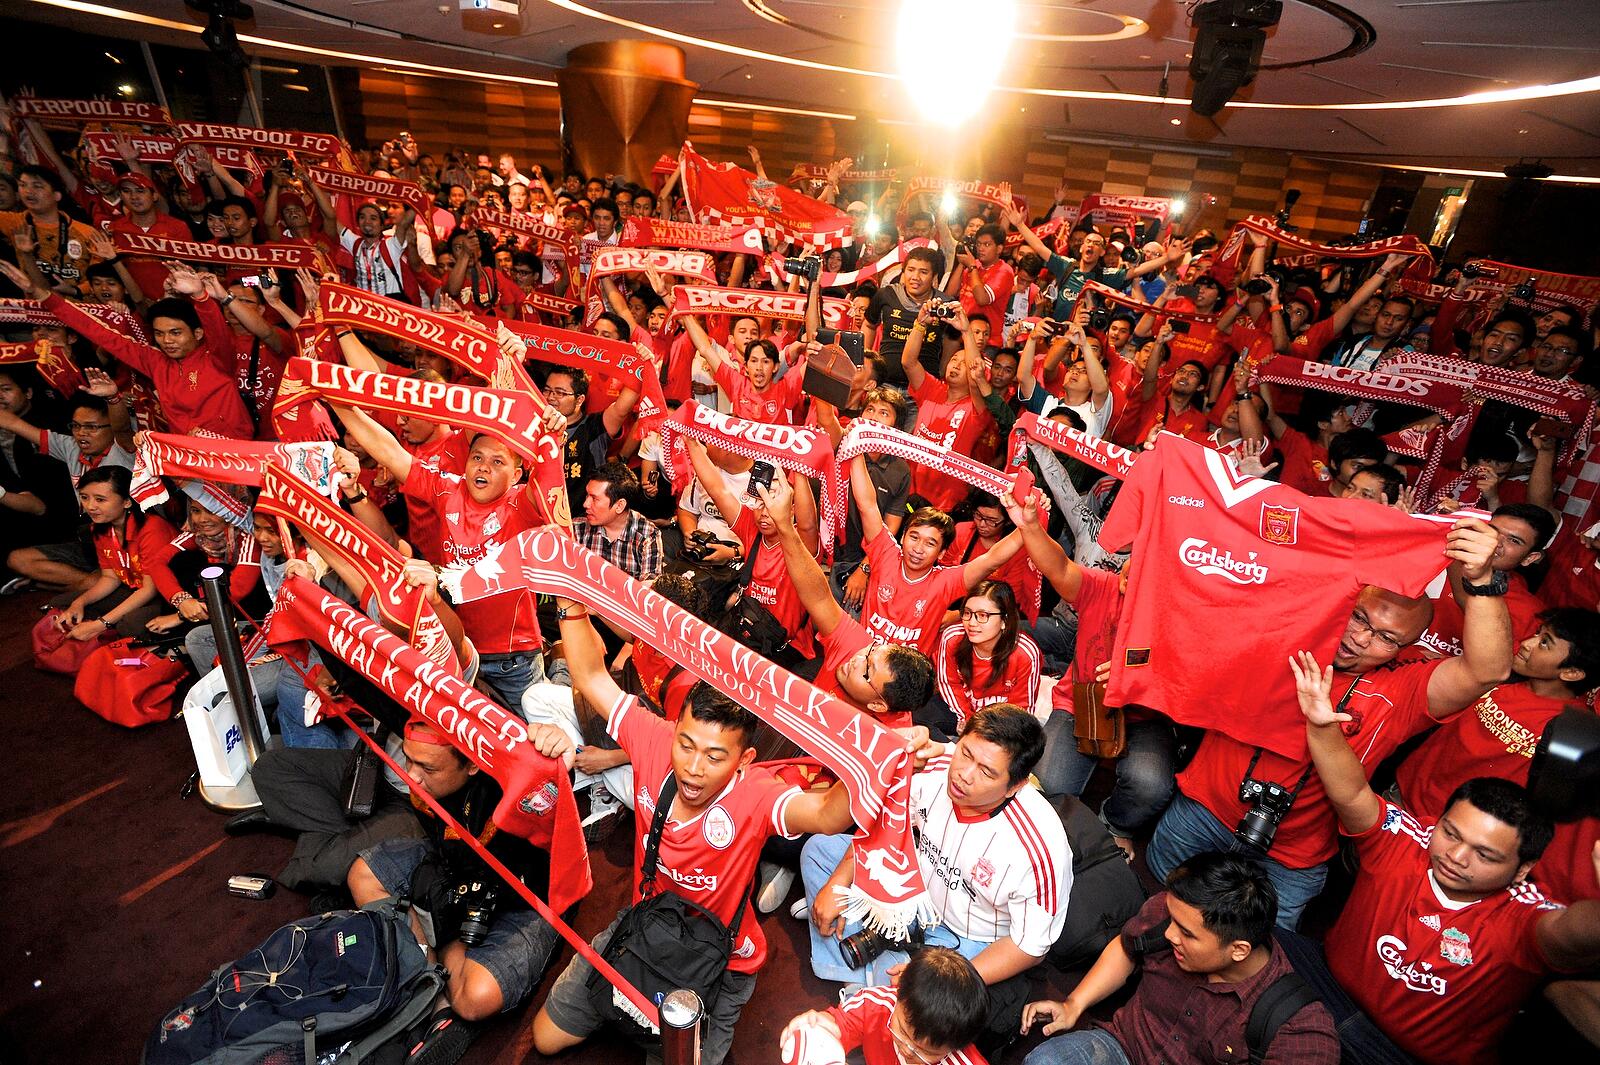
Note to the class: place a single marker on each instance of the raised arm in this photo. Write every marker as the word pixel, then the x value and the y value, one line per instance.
pixel 1569 939
pixel 809 582
pixel 1369 288
pixel 979 568
pixel 1064 575
pixel 865 495
pixel 1343 777
pixel 376 441
pixel 1486 639
pixel 709 349
pixel 911 354
pixel 1015 220
pixel 586 656
pixel 710 478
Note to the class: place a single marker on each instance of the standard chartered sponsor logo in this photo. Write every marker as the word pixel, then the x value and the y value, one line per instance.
pixel 1391 951
pixel 1205 558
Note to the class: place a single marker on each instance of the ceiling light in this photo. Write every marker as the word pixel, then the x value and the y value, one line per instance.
pixel 946 78
pixel 1177 121
pixel 125 89
pixel 114 59
pixel 296 86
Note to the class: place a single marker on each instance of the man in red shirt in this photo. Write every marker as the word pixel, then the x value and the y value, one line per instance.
pixel 480 511
pixel 1523 530
pixel 1172 405
pixel 723 812
pixel 1444 935
pixel 986 281
pixel 140 216
pixel 886 680
pixel 950 412
pixel 192 364
pixel 1389 701
pixel 907 590
pixel 751 388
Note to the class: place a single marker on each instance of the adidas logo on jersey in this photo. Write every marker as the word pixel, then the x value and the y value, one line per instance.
pixel 1187 501
pixel 1201 556
pixel 1431 920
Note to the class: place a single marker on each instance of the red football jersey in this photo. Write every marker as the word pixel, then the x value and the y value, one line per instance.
pixel 1444 632
pixel 1214 546
pixel 1494 737
pixel 770 584
pixel 863 1021
pixel 1305 464
pixel 1442 979
pixel 1019 685
pixel 474 533
pixel 838 647
pixel 1574 576
pixel 774 405
pixel 711 858
pixel 956 426
pixel 897 609
pixel 446 455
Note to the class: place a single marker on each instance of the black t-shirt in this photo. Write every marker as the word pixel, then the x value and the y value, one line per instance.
pixel 473 806
pixel 897 313
pixel 583 453
pixel 892 478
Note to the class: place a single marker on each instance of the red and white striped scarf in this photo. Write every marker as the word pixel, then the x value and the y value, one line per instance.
pixel 848 278
pixel 783 306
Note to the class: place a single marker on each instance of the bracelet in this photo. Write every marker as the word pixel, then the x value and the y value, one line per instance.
pixel 105 621
pixel 180 598
pixel 362 498
pixel 1275 308
pixel 345 333
pixel 573 614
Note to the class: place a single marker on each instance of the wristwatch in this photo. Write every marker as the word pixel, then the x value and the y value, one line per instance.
pixel 1498 585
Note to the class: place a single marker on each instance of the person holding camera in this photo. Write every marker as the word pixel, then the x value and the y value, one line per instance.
pixel 894 310
pixel 492 945
pixel 1204 954
pixel 1279 804
pixel 1444 935
pixel 993 856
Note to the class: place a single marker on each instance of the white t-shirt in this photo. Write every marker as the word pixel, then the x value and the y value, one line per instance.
pixel 697 501
pixel 372 272
pixel 1095 421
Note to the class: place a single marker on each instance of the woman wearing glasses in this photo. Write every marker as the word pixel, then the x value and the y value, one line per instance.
pixel 986 658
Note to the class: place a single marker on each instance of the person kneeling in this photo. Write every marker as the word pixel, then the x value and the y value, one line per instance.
pixel 493 946
pixel 1205 955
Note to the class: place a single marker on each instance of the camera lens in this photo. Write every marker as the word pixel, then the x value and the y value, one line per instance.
pixel 860 949
pixel 1258 828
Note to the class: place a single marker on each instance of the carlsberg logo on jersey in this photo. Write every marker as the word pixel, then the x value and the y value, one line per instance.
pixel 1391 951
pixel 1200 555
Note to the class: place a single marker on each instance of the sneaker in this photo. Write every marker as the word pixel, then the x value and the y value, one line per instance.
pixel 444 1041
pixel 773 882
pixel 605 813
pixel 16 586
pixel 801 910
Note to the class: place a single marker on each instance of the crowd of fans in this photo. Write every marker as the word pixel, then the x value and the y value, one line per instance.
pixel 964 618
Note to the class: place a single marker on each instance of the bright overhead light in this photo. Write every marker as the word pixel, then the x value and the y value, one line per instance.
pixel 1178 206
pixel 948 204
pixel 947 78
pixel 125 89
pixel 1177 121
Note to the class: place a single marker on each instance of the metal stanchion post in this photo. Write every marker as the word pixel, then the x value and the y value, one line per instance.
pixel 681 1013
pixel 241 796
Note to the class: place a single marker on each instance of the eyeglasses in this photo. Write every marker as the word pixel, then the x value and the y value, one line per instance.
pixel 982 617
pixel 559 392
pixel 87 427
pixel 1364 623
pixel 907 1049
pixel 1545 345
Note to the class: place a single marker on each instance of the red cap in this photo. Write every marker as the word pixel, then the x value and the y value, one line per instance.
pixel 135 178
pixel 424 732
pixel 1306 296
pixel 574 209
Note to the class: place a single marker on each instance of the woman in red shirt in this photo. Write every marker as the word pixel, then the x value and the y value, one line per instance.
pixel 129 545
pixel 986 660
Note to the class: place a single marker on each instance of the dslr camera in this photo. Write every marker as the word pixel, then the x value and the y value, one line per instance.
pixel 1473 269
pixel 699 545
pixel 805 266
pixel 475 902
pixel 862 948
pixel 1269 802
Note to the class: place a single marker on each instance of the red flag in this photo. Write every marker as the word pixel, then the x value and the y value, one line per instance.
pixel 725 194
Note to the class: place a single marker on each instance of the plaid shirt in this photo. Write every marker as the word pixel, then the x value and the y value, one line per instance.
pixel 637 552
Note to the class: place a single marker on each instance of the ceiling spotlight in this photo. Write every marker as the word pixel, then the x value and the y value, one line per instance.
pixel 125 89
pixel 1229 37
pixel 1178 206
pixel 947 78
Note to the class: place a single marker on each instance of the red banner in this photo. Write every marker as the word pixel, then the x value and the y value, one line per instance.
pixel 325 145
pixel 1104 208
pixel 595 354
pixel 1233 251
pixel 984 191
pixel 263 256
pixel 164 151
pixel 90 110
pixel 1550 289
pixel 54 363
pixel 1102 454
pixel 658 233
pixel 785 306
pixel 725 194
pixel 32 312
pixel 368 187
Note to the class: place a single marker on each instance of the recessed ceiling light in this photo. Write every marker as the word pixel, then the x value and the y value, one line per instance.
pixel 498 25
pixel 1144 57
pixel 125 89
pixel 114 59
pixel 749 77
pixel 1177 121
pixel 1522 131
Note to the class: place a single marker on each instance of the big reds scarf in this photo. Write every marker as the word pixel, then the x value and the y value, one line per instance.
pixel 32 312
pixel 866 437
pixel 848 278
pixel 53 362
pixel 224 462
pixel 335 534
pixel 797 449
pixel 597 355
pixel 77 111
pixel 785 306
pixel 1092 450
pixel 1104 208
pixel 264 256
pixel 660 233
pixel 726 194
pixel 1307 252
pixel 612 260
pixel 869 759
pixel 1550 289
pixel 537 803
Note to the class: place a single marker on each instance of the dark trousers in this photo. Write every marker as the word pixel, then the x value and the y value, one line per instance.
pixel 1360 1041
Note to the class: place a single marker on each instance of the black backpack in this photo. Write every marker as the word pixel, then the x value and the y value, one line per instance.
pixel 1105 890
pixel 355 977
pixel 1283 998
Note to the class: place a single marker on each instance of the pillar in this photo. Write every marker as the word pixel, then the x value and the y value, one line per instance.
pixel 623 104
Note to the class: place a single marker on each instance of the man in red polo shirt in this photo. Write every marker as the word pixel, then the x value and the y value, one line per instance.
pixel 140 216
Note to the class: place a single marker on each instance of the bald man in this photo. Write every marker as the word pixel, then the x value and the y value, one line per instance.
pixel 1390 700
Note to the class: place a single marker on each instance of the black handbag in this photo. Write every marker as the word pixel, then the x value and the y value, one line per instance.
pixel 750 622
pixel 663 942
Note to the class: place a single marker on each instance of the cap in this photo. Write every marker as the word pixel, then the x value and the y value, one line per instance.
pixel 134 178
pixel 574 209
pixel 1306 296
pixel 1117 244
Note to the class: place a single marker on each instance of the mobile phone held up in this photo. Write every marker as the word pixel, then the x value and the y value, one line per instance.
pixel 761 474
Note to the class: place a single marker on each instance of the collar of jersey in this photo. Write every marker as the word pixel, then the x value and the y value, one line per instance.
pixel 720 796
pixel 1445 900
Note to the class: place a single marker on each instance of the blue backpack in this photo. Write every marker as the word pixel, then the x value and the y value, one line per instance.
pixel 335 987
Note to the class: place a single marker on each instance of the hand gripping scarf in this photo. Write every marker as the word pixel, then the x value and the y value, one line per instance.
pixel 1234 250
pixel 537 804
pixel 264 256
pixel 659 233
pixel 785 306
pixel 867 437
pixel 515 418
pixel 334 533
pixel 1121 299
pixel 795 448
pixel 596 355
pixel 610 261
pixel 848 278
pixel 224 461
pixel 818 172
pixel 368 187
pixel 54 363
pixel 870 759
pixel 33 312
pixel 1094 451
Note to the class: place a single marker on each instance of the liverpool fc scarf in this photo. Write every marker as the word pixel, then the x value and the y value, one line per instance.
pixel 1550 289
pixel 597 355
pixel 528 226
pixel 32 312
pixel 537 804
pixel 849 278
pixel 1301 250
pixel 871 761
pixel 224 462
pixel 76 111
pixel 262 256
pixel 1111 295
pixel 366 187
pixel 867 437
pixel 1094 451
pixel 164 151
pixel 612 260
pixel 1103 208
pixel 795 448
pixel 53 362
pixel 659 233
pixel 983 191
pixel 322 145
pixel 784 306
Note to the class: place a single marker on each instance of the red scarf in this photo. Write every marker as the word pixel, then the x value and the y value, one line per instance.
pixel 727 194
pixel 528 226
pixel 1550 289
pixel 537 804
pixel 818 172
pixel 55 363
pixel 867 437
pixel 784 306
pixel 596 354
pixel 795 448
pixel 611 260
pixel 89 111
pixel 1232 254
pixel 1103 208
pixel 1111 295
pixel 848 278
pixel 366 187
pixel 1094 451
pixel 32 312
pixel 322 145
pixel 983 191
pixel 263 256
pixel 870 760
pixel 546 303
pixel 659 233
pixel 223 462
pixel 164 151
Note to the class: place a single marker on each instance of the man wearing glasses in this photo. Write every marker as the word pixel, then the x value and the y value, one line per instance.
pixel 1389 698
pixel 589 436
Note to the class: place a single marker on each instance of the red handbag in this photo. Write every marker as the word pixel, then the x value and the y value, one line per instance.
pixel 55 651
pixel 130 686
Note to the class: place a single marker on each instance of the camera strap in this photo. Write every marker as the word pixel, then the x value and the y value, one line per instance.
pixel 1311 766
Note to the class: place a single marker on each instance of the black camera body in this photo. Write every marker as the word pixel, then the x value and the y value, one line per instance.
pixel 1100 319
pixel 475 901
pixel 942 310
pixel 970 245
pixel 862 948
pixel 1524 293
pixel 1269 803
pixel 808 267
pixel 1473 270
pixel 698 545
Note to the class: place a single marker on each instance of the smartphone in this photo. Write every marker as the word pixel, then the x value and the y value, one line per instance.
pixel 761 473
pixel 251 886
pixel 250 280
pixel 1553 428
pixel 1022 484
pixel 854 343
pixel 1187 292
pixel 1179 326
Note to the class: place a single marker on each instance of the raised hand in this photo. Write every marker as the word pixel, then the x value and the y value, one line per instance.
pixel 1313 685
pixel 183 279
pixel 100 383
pixel 1250 452
pixel 31 288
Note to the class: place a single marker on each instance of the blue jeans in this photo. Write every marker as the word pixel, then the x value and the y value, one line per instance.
pixel 1057 637
pixel 818 859
pixel 280 690
pixel 1187 829
pixel 511 674
pixel 1145 771
pixel 1091 1046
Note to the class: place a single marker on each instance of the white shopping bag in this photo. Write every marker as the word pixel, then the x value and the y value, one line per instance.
pixel 214 731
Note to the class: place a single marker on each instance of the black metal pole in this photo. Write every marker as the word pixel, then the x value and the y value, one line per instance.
pixel 681 1012
pixel 232 661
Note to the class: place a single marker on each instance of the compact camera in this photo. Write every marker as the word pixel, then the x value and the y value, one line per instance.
pixel 942 310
